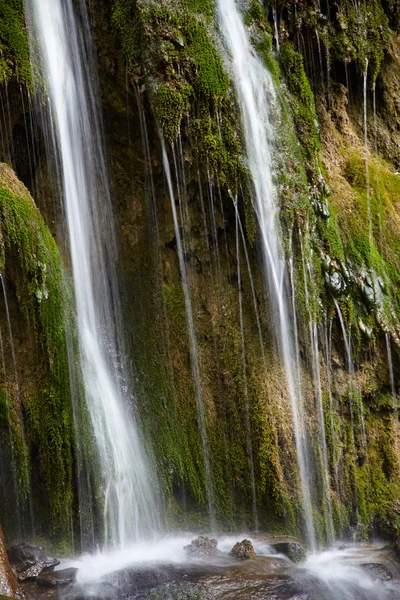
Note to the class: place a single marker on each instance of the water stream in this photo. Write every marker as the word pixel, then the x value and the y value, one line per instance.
pixel 60 30
pixel 194 357
pixel 256 93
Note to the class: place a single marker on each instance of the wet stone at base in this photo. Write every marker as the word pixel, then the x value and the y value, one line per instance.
pixel 243 550
pixel 202 546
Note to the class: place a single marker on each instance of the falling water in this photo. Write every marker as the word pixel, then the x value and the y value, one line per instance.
pixel 21 427
pixel 334 437
pixel 391 375
pixel 313 330
pixel 366 149
pixel 255 91
pixel 194 358
pixel 10 432
pixel 245 385
pixel 64 43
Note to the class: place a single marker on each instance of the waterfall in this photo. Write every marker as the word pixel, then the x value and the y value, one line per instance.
pixel 64 43
pixel 255 90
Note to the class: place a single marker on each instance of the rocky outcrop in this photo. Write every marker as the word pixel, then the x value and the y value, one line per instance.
pixel 8 584
pixel 57 578
pixel 243 550
pixel 29 561
pixel 292 550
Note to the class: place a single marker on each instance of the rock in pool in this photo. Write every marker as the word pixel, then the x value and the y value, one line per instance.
pixel 292 550
pixel 202 546
pixel 243 550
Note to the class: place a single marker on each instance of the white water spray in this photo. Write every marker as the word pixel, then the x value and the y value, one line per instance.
pixel 64 44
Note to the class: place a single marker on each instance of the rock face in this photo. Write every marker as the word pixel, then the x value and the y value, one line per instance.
pixel 57 578
pixel 29 561
pixel 292 550
pixel 243 550
pixel 202 546
pixel 8 583
pixel 377 571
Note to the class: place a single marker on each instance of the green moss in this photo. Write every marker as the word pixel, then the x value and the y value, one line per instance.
pixel 302 104
pixel 28 244
pixel 14 50
pixel 210 78
pixel 171 105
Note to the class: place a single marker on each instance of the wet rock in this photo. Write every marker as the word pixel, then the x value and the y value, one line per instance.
pixel 368 295
pixel 29 561
pixel 292 550
pixel 335 283
pixel 202 546
pixel 377 571
pixel 326 263
pixel 243 550
pixel 367 331
pixel 56 578
pixel 382 285
pixel 321 209
pixel 8 583
pixel 345 271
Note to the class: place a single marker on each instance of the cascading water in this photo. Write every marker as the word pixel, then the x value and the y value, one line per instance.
pixel 245 384
pixel 316 375
pixel 64 43
pixel 255 92
pixel 194 358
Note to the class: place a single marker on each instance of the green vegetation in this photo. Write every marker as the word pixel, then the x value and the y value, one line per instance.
pixel 32 262
pixel 14 51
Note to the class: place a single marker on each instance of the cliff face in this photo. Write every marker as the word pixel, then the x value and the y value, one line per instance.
pixel 161 69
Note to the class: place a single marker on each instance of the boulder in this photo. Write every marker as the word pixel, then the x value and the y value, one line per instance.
pixel 54 579
pixel 243 550
pixel 8 582
pixel 29 561
pixel 377 571
pixel 202 546
pixel 292 550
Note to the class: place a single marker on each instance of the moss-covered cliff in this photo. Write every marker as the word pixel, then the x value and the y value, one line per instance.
pixel 161 69
pixel 36 414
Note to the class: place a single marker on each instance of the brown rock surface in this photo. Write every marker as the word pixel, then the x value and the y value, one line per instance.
pixel 8 584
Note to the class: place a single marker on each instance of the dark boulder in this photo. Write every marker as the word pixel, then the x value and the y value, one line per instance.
pixel 243 550
pixel 377 571
pixel 292 550
pixel 29 561
pixel 202 546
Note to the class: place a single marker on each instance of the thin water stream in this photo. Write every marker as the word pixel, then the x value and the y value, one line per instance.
pixel 194 357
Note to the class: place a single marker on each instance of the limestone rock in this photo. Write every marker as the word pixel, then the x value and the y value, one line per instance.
pixel 243 550
pixel 292 550
pixel 8 583
pixel 29 561
pixel 57 578
pixel 202 546
pixel 378 571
